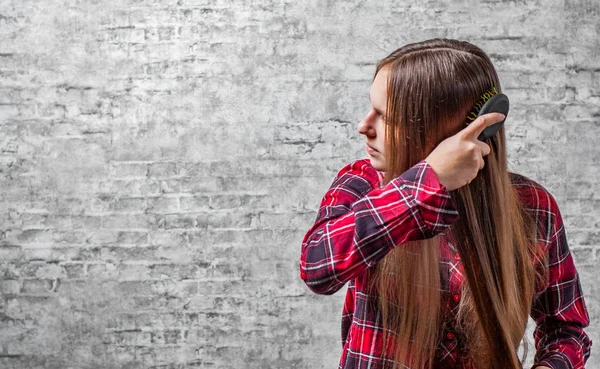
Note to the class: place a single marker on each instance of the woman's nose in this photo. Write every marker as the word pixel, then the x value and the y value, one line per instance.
pixel 365 127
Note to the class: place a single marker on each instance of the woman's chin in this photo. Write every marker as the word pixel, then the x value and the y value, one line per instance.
pixel 377 164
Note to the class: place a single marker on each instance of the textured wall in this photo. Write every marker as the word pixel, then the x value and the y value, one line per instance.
pixel 161 161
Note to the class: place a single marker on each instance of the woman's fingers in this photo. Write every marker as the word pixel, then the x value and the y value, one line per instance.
pixel 474 129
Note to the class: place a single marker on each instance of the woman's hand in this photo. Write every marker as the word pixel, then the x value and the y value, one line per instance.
pixel 459 158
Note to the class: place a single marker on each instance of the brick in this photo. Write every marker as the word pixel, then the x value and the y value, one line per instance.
pixel 195 203
pixel 167 337
pixel 178 271
pixel 162 204
pixel 131 187
pixel 124 169
pixel 74 270
pixel 10 252
pixel 194 185
pixel 84 222
pixel 145 221
pixel 226 219
pixel 177 221
pixel 162 170
pixel 131 338
pixel 35 286
pixel 129 204
pixel 10 286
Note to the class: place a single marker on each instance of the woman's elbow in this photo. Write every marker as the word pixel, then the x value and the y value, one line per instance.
pixel 317 284
pixel 322 288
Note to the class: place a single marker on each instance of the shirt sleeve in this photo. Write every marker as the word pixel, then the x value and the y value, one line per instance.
pixel 559 310
pixel 358 223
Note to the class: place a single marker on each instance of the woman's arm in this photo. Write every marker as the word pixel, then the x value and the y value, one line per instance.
pixel 560 311
pixel 358 223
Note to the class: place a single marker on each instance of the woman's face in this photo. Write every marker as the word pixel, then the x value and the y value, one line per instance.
pixel 373 124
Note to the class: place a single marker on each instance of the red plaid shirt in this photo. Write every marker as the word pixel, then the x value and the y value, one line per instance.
pixel 358 223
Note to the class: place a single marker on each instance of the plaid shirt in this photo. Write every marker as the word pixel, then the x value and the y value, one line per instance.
pixel 359 222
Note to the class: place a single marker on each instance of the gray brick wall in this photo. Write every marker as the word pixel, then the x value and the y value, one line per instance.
pixel 161 161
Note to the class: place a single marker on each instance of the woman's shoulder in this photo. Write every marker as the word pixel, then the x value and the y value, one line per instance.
pixel 527 187
pixel 536 198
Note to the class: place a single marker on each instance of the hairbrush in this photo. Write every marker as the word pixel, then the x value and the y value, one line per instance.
pixel 491 102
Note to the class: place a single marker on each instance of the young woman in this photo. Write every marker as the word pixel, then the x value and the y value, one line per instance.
pixel 446 253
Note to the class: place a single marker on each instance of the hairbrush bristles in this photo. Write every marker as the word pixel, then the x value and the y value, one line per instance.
pixel 472 115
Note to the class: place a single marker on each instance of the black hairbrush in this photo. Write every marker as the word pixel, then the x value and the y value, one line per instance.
pixel 496 104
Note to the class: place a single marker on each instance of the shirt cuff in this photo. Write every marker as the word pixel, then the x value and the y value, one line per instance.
pixel 555 360
pixel 436 206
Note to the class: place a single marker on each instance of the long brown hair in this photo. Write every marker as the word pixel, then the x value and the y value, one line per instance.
pixel 432 86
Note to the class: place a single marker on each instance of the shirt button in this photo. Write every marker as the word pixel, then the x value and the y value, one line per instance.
pixel 450 335
pixel 456 298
